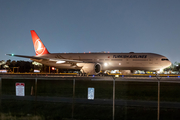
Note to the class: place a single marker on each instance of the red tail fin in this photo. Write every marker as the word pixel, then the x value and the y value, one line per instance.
pixel 39 47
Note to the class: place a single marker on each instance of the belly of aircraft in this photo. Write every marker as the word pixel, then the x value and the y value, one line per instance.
pixel 110 66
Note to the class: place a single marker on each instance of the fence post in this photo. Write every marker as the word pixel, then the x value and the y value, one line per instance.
pixel 73 98
pixel 35 96
pixel 158 100
pixel 0 92
pixel 113 97
pixel 35 89
pixel 158 107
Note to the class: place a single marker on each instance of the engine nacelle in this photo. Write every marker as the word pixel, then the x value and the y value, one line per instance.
pixel 91 68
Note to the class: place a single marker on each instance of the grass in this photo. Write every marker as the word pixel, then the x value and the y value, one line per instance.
pixel 63 111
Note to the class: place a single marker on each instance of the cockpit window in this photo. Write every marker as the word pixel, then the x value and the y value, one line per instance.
pixel 164 59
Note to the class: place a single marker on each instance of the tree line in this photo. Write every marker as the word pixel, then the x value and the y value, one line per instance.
pixel 21 66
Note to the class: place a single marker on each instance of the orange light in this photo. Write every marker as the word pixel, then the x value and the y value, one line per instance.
pixel 53 68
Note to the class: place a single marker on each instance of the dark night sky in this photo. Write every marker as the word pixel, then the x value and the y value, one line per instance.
pixel 91 25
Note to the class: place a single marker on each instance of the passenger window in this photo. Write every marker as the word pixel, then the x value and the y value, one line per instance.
pixel 164 59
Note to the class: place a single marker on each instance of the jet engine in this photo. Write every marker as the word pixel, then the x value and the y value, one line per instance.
pixel 91 68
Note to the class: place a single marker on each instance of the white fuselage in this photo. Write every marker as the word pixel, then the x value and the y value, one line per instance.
pixel 109 61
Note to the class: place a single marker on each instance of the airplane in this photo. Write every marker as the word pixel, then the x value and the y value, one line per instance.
pixel 96 63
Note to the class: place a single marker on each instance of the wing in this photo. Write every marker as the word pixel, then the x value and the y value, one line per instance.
pixel 58 60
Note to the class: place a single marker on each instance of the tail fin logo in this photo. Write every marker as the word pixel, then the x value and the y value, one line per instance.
pixel 39 47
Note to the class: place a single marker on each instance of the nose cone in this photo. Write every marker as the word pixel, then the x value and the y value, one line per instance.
pixel 168 63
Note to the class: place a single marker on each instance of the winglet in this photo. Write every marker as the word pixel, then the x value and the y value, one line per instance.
pixel 39 47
